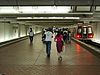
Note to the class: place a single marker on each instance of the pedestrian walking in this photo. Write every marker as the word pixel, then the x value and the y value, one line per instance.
pixel 31 34
pixel 48 41
pixel 65 37
pixel 59 44
pixel 69 36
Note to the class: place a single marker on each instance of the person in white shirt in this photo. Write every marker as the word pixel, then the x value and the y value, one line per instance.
pixel 48 40
pixel 31 34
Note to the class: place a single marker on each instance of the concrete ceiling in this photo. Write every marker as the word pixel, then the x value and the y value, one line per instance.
pixel 49 2
pixel 74 13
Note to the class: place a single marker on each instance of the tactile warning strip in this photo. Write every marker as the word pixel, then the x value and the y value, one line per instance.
pixel 49 70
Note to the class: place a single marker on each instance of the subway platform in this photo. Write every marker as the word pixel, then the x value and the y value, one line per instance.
pixel 23 58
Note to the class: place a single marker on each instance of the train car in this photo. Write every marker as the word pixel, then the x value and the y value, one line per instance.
pixel 84 33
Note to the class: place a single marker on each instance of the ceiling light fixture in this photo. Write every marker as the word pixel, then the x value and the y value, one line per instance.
pixel 48 18
pixel 35 9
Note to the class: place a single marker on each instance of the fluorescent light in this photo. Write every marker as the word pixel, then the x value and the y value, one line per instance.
pixel 24 17
pixel 25 9
pixel 48 18
pixel 71 18
pixel 8 9
pixel 47 21
pixel 35 9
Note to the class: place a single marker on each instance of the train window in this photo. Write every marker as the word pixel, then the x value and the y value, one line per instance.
pixel 89 30
pixel 79 30
pixel 84 30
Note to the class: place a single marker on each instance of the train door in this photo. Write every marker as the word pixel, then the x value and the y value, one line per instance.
pixel 84 32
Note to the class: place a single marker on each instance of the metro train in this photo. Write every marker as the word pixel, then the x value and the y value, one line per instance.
pixel 84 32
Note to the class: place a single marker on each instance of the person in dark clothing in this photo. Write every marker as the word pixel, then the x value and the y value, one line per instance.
pixel 43 36
pixel 65 37
pixel 31 34
pixel 69 36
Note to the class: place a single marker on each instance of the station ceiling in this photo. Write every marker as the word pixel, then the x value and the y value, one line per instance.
pixel 79 8
pixel 49 2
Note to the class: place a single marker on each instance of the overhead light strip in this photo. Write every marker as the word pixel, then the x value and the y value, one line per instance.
pixel 35 9
pixel 48 18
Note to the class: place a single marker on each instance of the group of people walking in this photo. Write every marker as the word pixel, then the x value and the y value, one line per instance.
pixel 60 38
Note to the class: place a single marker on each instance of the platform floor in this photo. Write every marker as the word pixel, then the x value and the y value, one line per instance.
pixel 23 58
